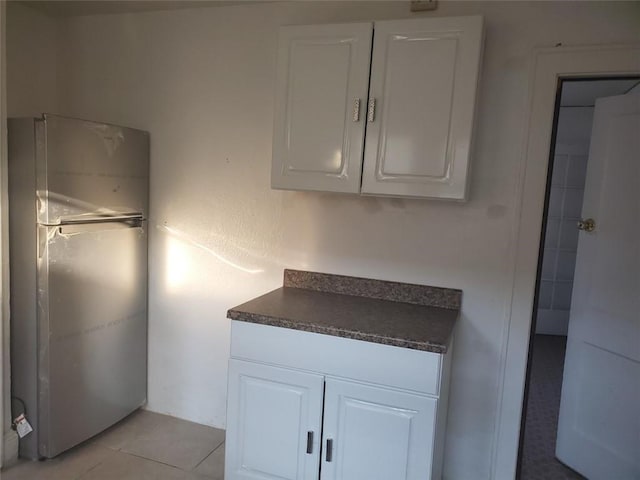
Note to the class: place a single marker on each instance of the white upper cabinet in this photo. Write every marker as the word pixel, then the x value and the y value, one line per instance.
pixel 423 82
pixel 418 111
pixel 322 83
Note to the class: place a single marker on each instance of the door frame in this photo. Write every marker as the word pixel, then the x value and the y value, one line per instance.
pixel 548 66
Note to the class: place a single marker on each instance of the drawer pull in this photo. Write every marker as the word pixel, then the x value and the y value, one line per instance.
pixel 309 442
pixel 371 111
pixel 356 110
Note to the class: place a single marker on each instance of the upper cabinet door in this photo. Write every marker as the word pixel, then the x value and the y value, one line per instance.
pixel 322 83
pixel 424 76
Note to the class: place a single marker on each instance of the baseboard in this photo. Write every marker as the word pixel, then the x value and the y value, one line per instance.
pixel 10 443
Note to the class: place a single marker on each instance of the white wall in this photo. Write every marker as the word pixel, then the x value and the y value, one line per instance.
pixel 574 126
pixel 31 59
pixel 202 82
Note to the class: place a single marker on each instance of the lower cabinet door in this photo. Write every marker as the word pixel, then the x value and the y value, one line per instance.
pixel 374 433
pixel 274 417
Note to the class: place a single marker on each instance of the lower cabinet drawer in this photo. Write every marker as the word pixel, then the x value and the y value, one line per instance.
pixel 397 367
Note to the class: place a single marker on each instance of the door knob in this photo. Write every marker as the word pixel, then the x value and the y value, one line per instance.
pixel 588 225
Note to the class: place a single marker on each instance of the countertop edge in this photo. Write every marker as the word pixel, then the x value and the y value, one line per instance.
pixel 260 319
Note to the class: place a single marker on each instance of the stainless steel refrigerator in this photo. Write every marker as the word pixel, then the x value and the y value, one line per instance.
pixel 78 206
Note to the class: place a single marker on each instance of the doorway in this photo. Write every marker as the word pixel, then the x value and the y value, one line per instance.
pixel 574 110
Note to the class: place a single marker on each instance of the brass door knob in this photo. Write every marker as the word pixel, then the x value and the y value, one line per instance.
pixel 588 225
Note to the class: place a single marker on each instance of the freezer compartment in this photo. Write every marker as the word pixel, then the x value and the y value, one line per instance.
pixel 92 329
pixel 87 169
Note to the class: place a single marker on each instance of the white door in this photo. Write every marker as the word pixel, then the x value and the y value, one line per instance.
pixel 424 76
pixel 374 433
pixel 322 83
pixel 599 422
pixel 273 423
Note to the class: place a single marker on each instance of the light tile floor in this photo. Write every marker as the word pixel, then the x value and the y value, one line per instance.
pixel 143 446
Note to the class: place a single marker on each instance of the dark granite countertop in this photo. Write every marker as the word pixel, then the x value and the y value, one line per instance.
pixel 390 313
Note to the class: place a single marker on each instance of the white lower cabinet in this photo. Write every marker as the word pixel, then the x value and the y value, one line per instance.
pixel 287 423
pixel 274 418
pixel 370 432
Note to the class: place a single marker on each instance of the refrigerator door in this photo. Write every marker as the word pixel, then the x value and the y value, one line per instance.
pixel 92 326
pixel 87 170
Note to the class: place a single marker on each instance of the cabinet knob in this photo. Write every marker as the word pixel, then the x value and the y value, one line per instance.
pixel 371 111
pixel 356 110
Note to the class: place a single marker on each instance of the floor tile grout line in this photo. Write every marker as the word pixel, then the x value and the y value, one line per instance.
pixel 157 461
pixel 79 477
pixel 90 470
pixel 207 456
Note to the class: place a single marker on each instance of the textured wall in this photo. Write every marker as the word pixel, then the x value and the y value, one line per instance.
pixel 202 82
pixel 32 50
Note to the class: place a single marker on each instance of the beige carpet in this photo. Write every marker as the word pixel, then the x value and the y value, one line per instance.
pixel 538 456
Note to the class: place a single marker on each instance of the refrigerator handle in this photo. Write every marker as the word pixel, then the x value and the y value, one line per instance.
pixel 127 217
pixel 76 228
